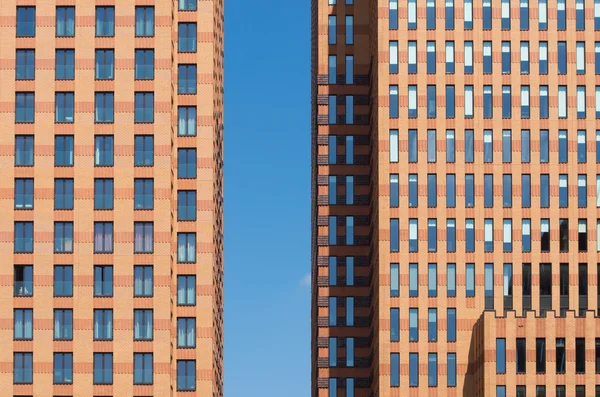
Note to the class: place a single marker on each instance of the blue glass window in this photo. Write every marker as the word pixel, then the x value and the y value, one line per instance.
pixel 186 79
pixel 63 280
pixel 26 21
pixel 64 111
pixel 105 21
pixel 25 65
pixel 65 65
pixel 65 21
pixel 24 107
pixel 144 22
pixel 104 107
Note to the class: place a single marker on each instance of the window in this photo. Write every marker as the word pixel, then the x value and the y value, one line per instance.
pixel 186 247
pixel 25 65
pixel 560 355
pixel 63 150
pixel 500 355
pixel 432 325
pixel 540 355
pixel 581 146
pixel 505 15
pixel 187 121
pixel 24 150
pixel 526 235
pixel 103 194
pixel 413 235
pixel 23 324
pixel 521 356
pixel 563 191
pixel 349 69
pixel 188 5
pixel 488 277
pixel 63 324
pixel 581 111
pixel 468 14
pixel 394 280
pixel 582 190
pixel 65 21
pixel 488 190
pixel 144 194
pixel 144 150
pixel 506 57
pixel 332 109
pixel 63 237
pixel 105 64
pixel 143 281
pixel 63 280
pixel 431 57
pixel 582 235
pixel 413 279
pixel 413 187
pixel 26 21
pixel 451 369
pixel 394 101
pixel 488 104
pixel 597 355
pixel 451 324
pixel 103 150
pixel 431 102
pixel 394 325
pixel 349 29
pixel 451 235
pixel 144 107
pixel 394 191
pixel 432 235
pixel 394 370
pixel 103 368
pixel 449 56
pixel 525 102
pixel 63 194
pixel 186 375
pixel 470 280
pixel 413 320
pixel 103 324
pixel 103 237
pixel 187 37
pixel 544 191
pixel 104 107
pixel 431 146
pixel 469 101
pixel 105 21
pixel 142 324
pixel 414 369
pixel 142 368
pixel 65 65
pixel 186 205
pixel 450 147
pixel 23 237
pixel 451 280
pixel 412 101
pixel 349 230
pixel 63 368
pixel 24 107
pixel 500 391
pixel 143 237
pixel 596 15
pixel 413 152
pixel 332 66
pixel 23 193
pixel 487 57
pixel 186 79
pixel 186 290
pixel 349 109
pixel 186 163
pixel 506 102
pixel 349 352
pixel 144 64
pixel 468 61
pixel 580 355
pixel 103 280
pixel 23 368
pixel 507 235
pixel 432 370
pixel 23 280
pixel 487 15
pixel 332 29
pixel 393 15
pixel 144 22
pixel 332 311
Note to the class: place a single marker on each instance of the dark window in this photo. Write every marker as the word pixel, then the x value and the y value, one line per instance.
pixel 186 205
pixel 186 163
pixel 104 150
pixel 24 150
pixel 24 107
pixel 26 21
pixel 65 65
pixel 25 65
pixel 187 37
pixel 103 280
pixel 103 368
pixel 63 150
pixel 65 21
pixel 144 107
pixel 23 281
pixel 144 21
pixel 540 355
pixel 560 355
pixel 103 194
pixel 580 355
pixel 63 280
pixel 105 21
pixel 144 64
pixel 142 368
pixel 521 356
pixel 186 375
pixel 63 368
pixel 144 150
pixel 186 83
pixel 143 194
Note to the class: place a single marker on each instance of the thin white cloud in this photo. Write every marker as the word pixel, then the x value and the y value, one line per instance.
pixel 305 281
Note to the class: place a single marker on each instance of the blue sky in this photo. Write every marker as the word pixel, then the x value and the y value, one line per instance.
pixel 267 198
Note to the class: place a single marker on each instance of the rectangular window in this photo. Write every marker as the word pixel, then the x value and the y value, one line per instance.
pixel 103 324
pixel 105 21
pixel 65 65
pixel 143 280
pixel 332 29
pixel 63 237
pixel 143 237
pixel 431 102
pixel 394 370
pixel 23 368
pixel 26 21
pixel 23 324
pixel 63 194
pixel 23 196
pixel 105 64
pixel 64 107
pixel 24 107
pixel 394 325
pixel 560 355
pixel 349 69
pixel 582 235
pixel 488 102
pixel 413 322
pixel 526 235
pixel 412 14
pixel 144 107
pixel 63 368
pixel 505 15
pixel 581 107
pixel 432 370
pixel 431 146
pixel 414 369
pixel 332 67
pixel 449 57
pixel 487 57
pixel 103 280
pixel 186 374
pixel 524 14
pixel 412 101
pixel 431 57
pixel 23 237
pixel 506 57
pixel 63 150
pixel 394 280
pixel 525 113
pixel 500 355
pixel 104 107
pixel 450 191
pixel 450 101
pixel 451 280
pixel 413 279
pixel 470 280
pixel 540 355
pixel 144 22
pixel 144 150
pixel 488 190
pixel 103 194
pixel 506 102
pixel 103 368
pixel 393 58
pixel 468 61
pixel 521 355
pixel 451 235
pixel 186 163
pixel 142 324
pixel 65 21
pixel 413 235
pixel 432 325
pixel 103 237
pixel 186 205
pixel 451 369
pixel 186 247
pixel 451 325
pixel 393 15
pixel 487 15
pixel 104 150
pixel 63 324
pixel 580 355
pixel 507 235
pixel 186 83
pixel 186 332
pixel 488 228
pixel 186 290
pixel 432 280
pixel 24 150
pixel 469 101
pixel 470 235
pixel 23 280
pixel 25 65
pixel 349 29
pixel 143 194
pixel 63 280
pixel 144 64
pixel 142 368
pixel 488 279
